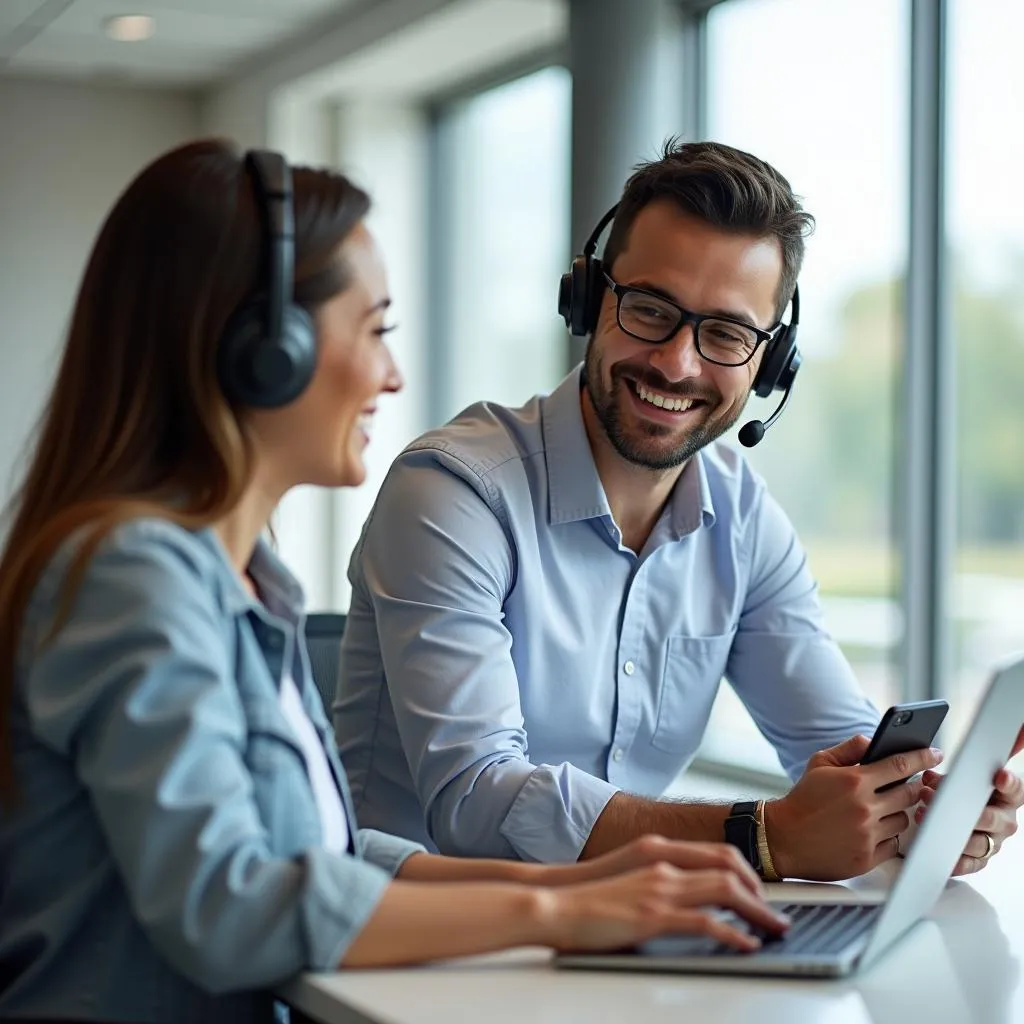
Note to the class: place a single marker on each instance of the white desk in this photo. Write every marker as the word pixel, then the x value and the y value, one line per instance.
pixel 962 966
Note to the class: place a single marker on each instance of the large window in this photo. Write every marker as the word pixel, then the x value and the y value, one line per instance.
pixel 504 241
pixel 835 123
pixel 986 276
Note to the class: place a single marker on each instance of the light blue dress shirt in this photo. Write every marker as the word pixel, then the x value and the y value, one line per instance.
pixel 165 861
pixel 508 664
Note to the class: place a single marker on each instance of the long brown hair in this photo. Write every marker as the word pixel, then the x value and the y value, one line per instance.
pixel 136 423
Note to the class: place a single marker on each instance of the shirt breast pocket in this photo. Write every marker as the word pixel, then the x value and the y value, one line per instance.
pixel 694 666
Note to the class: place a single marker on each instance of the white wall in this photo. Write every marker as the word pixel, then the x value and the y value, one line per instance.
pixel 242 115
pixel 66 152
pixel 383 146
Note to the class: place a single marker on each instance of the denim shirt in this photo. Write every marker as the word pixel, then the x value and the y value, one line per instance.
pixel 164 862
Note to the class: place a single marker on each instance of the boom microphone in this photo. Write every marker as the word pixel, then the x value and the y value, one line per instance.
pixel 752 431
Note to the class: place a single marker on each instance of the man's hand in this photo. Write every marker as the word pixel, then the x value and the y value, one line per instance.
pixel 998 819
pixel 833 824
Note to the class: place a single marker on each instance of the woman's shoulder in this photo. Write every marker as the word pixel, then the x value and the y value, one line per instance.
pixel 143 553
pixel 158 537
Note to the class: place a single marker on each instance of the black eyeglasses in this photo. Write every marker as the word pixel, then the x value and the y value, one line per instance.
pixel 651 317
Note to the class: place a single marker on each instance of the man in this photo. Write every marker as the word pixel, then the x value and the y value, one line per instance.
pixel 546 598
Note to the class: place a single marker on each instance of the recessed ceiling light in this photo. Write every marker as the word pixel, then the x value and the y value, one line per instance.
pixel 130 28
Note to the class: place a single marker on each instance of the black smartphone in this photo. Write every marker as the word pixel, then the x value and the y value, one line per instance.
pixel 905 727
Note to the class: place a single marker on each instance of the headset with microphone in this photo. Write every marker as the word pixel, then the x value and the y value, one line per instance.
pixel 267 353
pixel 579 302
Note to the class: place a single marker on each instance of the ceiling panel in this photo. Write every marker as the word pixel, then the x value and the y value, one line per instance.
pixel 174 28
pixel 282 10
pixel 167 74
pixel 156 63
pixel 459 42
pixel 14 12
pixel 196 41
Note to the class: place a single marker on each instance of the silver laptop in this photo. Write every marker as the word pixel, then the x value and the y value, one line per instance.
pixel 834 939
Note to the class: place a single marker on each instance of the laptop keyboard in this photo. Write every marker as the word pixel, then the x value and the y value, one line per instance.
pixel 816 928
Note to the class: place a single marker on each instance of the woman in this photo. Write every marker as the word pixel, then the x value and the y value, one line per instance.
pixel 177 835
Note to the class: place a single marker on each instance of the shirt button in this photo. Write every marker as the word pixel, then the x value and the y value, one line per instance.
pixel 629 668
pixel 619 754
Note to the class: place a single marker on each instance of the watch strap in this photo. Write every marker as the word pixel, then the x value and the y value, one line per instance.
pixel 741 831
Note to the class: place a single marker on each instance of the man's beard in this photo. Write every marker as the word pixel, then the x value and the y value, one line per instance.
pixel 634 449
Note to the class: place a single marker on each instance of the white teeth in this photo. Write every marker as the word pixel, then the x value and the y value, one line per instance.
pixel 671 404
pixel 365 423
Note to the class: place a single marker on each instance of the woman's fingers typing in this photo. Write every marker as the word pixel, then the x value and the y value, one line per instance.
pixel 724 889
pixel 701 922
pixel 655 849
pixel 662 899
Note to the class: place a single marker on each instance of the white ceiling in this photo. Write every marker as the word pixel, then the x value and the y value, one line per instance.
pixel 462 40
pixel 196 41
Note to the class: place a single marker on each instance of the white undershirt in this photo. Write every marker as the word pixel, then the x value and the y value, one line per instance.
pixel 325 791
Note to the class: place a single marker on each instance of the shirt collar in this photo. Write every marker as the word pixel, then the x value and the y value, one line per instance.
pixel 691 502
pixel 575 491
pixel 281 590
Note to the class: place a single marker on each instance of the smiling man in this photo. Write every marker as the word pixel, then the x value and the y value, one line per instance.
pixel 545 599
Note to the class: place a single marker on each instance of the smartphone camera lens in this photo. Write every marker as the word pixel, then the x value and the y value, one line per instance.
pixel 902 718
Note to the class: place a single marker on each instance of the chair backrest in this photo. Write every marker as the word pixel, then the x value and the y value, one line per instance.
pixel 323 639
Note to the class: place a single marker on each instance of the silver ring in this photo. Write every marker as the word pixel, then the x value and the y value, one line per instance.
pixel 991 846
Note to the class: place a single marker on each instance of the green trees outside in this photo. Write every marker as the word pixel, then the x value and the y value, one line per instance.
pixel 832 464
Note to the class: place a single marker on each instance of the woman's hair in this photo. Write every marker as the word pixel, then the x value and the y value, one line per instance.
pixel 136 423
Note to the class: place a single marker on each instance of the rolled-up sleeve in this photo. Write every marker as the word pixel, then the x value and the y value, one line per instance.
pixel 437 565
pixel 786 668
pixel 387 852
pixel 137 690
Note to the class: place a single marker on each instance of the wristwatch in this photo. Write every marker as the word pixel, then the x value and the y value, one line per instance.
pixel 745 829
pixel 741 831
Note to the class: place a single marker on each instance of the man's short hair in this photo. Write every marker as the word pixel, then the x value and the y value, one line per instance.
pixel 726 187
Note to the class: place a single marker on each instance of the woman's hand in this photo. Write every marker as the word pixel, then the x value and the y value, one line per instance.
pixel 658 899
pixel 640 853
pixel 652 886
pixel 654 849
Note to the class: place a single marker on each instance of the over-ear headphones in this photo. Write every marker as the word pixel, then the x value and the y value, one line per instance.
pixel 582 289
pixel 777 372
pixel 267 353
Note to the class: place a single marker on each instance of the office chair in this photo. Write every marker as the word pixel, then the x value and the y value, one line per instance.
pixel 323 640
